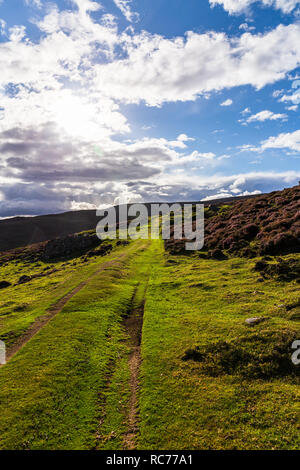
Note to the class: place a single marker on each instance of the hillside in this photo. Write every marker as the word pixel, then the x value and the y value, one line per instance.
pixel 24 231
pixel 127 345
pixel 265 225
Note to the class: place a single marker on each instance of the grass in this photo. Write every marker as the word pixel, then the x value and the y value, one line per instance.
pixel 117 393
pixel 68 388
pixel 22 304
pixel 51 392
pixel 200 405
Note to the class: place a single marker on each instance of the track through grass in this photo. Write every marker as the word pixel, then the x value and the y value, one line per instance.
pixel 50 391
pixel 53 310
pixel 169 364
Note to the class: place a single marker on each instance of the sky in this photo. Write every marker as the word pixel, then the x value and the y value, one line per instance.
pixel 137 100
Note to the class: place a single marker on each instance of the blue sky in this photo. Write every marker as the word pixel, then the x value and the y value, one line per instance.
pixel 161 100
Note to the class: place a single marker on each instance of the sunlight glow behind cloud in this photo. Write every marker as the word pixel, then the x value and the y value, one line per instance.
pixel 68 138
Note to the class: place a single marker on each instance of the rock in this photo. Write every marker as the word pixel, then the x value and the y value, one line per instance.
pixel 255 320
pixel 171 261
pixel 70 245
pixel 24 279
pixel 122 242
pixel 261 266
pixel 100 251
pixel 217 254
pixel 4 284
pixel 193 355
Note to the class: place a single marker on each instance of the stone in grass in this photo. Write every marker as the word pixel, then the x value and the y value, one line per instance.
pixel 24 279
pixel 217 254
pixel 4 284
pixel 255 320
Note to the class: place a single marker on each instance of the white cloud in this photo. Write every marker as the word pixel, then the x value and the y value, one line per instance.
pixel 153 72
pixel 184 138
pixel 277 93
pixel 285 140
pixel 242 6
pixel 265 116
pixel 125 7
pixel 228 102
pixel 17 33
pixel 35 3
pixel 2 27
pixel 289 140
pixel 87 5
pixel 151 69
pixel 294 107
pixel 293 98
pixel 197 187
pixel 246 27
pixel 61 101
pixel 195 157
pixel 82 206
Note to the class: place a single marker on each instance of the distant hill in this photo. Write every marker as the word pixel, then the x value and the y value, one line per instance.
pixel 23 231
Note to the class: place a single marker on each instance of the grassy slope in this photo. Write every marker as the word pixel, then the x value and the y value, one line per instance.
pixel 68 387
pixel 114 420
pixel 21 305
pixel 53 392
pixel 200 302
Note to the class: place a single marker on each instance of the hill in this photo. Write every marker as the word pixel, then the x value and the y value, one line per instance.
pixel 24 231
pixel 268 224
pixel 134 348
pixel 127 345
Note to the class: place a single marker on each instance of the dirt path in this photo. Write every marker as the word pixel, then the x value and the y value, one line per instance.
pixel 133 324
pixel 54 310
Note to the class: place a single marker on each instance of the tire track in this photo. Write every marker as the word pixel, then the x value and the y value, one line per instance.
pixel 56 308
pixel 133 325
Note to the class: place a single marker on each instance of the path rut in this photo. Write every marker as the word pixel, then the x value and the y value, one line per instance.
pixel 133 324
pixel 53 311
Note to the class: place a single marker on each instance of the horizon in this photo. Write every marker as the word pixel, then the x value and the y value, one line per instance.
pixel 207 201
pixel 168 101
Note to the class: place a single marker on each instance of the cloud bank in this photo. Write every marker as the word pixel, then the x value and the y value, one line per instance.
pixel 242 6
pixel 65 139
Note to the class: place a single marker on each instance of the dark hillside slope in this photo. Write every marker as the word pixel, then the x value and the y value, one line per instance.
pixel 23 231
pixel 265 225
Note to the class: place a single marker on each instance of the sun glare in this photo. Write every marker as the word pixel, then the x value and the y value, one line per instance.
pixel 76 117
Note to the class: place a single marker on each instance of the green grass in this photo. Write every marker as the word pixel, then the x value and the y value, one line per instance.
pixel 196 405
pixel 22 304
pixel 68 388
pixel 52 391
pixel 117 393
